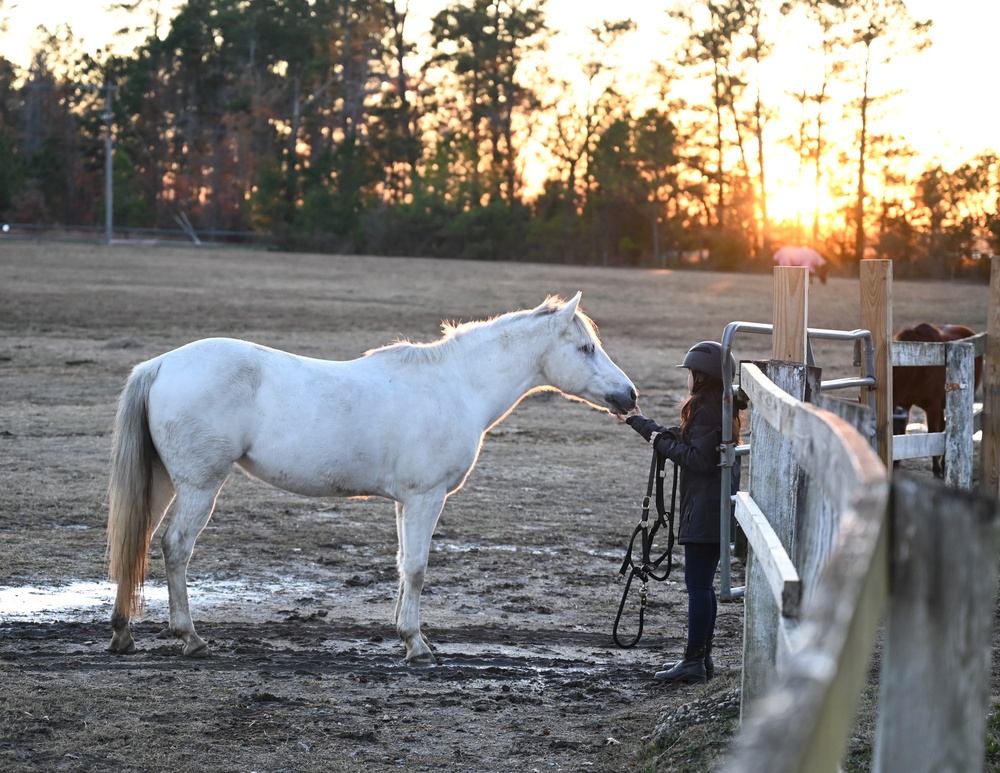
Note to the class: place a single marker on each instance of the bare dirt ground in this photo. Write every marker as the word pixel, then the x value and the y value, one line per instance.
pixel 295 595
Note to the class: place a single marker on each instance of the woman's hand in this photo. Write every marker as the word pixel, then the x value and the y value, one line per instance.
pixel 621 417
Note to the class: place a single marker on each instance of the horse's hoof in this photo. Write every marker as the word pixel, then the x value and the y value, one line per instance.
pixel 122 642
pixel 200 650
pixel 122 649
pixel 425 659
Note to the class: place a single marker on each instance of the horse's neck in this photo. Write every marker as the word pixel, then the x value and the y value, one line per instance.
pixel 500 371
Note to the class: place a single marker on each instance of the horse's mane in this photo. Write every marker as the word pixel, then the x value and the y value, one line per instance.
pixel 924 331
pixel 453 333
pixel 934 333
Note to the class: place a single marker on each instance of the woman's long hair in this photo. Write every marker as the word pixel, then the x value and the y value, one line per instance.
pixel 706 390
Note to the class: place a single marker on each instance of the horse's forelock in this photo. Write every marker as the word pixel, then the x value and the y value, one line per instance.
pixel 550 305
pixel 554 303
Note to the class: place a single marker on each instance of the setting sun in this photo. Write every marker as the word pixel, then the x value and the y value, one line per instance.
pixel 797 202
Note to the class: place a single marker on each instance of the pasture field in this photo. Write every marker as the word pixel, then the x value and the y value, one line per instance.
pixel 296 595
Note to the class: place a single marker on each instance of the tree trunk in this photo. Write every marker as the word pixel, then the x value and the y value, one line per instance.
pixel 859 214
pixel 720 206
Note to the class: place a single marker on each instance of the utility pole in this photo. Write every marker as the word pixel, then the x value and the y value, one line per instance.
pixel 109 90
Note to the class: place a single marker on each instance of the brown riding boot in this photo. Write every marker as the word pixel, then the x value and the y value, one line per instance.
pixel 690 670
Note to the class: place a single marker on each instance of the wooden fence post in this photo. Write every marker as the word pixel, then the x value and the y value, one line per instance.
pixel 958 403
pixel 790 313
pixel 989 477
pixel 876 316
pixel 935 681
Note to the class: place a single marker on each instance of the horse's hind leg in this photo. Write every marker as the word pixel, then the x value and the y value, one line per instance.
pixel 415 521
pixel 121 633
pixel 194 508
pixel 162 495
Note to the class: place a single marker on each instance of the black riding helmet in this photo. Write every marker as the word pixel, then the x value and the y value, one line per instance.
pixel 706 357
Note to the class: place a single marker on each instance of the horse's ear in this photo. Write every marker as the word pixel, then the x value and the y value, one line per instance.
pixel 572 304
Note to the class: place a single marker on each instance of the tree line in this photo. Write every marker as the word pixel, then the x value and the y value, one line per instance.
pixel 330 126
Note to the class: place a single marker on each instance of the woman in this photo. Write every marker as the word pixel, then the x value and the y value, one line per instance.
pixel 694 448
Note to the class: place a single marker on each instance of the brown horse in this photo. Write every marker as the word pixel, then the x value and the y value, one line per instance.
pixel 924 385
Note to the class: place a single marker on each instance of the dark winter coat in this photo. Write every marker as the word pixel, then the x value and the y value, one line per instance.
pixel 696 453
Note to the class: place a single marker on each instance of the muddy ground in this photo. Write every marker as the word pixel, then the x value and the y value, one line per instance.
pixel 295 595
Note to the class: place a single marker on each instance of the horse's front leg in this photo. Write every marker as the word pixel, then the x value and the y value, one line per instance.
pixel 415 521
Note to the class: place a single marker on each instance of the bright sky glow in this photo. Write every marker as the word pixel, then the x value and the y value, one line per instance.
pixel 946 111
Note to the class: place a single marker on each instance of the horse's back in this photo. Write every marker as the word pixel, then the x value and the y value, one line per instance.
pixel 956 332
pixel 224 372
pixel 223 352
pixel 315 427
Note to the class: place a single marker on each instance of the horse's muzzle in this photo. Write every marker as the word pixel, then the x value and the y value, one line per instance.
pixel 621 402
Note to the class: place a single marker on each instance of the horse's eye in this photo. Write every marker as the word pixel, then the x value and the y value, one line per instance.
pixel 587 348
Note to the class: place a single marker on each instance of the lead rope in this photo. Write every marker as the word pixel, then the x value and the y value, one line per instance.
pixel 647 569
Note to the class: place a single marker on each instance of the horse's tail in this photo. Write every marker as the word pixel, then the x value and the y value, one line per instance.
pixel 130 489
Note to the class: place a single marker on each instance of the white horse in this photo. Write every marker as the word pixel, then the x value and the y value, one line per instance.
pixel 405 422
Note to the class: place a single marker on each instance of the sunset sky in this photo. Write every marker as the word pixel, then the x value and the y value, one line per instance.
pixel 946 110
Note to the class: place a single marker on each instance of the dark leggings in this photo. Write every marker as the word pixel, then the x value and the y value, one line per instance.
pixel 701 560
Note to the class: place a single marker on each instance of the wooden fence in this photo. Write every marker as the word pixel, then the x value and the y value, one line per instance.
pixel 955 444
pixel 836 544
